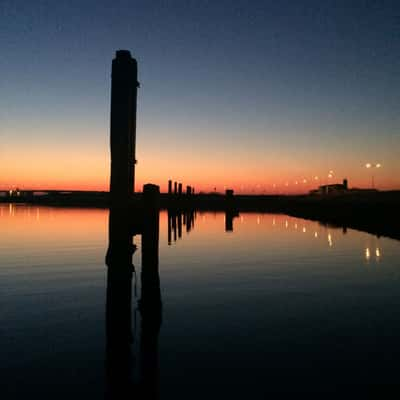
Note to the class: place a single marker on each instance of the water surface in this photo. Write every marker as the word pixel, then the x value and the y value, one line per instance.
pixel 277 303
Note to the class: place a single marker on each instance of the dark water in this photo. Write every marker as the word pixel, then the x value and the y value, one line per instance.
pixel 279 304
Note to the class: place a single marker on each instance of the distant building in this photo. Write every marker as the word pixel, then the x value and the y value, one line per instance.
pixel 336 188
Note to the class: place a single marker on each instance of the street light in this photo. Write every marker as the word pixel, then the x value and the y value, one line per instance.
pixel 371 166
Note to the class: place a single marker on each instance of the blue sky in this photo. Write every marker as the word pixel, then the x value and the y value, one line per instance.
pixel 244 87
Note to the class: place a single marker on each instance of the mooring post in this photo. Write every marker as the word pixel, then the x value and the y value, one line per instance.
pixel 180 190
pixel 151 198
pixel 175 188
pixel 124 86
pixel 229 194
pixel 169 187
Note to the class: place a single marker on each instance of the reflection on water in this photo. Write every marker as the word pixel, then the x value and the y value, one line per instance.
pixel 120 362
pixel 175 221
pixel 199 304
pixel 119 306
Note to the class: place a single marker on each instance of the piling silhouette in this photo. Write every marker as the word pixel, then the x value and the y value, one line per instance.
pixel 124 86
pixel 121 362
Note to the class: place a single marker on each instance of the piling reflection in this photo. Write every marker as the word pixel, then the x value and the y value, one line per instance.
pixel 230 214
pixel 176 220
pixel 150 306
pixel 179 225
pixel 121 362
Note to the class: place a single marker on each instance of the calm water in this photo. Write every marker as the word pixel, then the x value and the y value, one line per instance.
pixel 279 303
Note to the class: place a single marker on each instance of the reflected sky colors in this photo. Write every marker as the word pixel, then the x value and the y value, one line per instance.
pixel 290 297
pixel 258 235
pixel 238 94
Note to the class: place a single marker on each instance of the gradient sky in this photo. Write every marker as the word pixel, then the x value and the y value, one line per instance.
pixel 244 94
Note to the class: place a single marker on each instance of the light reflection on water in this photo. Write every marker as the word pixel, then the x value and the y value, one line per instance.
pixel 260 290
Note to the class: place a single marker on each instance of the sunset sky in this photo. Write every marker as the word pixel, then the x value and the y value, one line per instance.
pixel 242 94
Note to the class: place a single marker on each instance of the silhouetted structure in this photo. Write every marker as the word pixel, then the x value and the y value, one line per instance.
pixel 336 188
pixel 124 86
pixel 119 358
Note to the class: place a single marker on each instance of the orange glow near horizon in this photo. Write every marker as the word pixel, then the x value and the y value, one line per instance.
pixel 206 170
pixel 255 184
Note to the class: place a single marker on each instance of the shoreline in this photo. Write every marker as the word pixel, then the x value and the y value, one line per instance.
pixel 376 213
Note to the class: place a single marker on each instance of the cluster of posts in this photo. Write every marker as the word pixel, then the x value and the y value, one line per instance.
pixel 177 189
